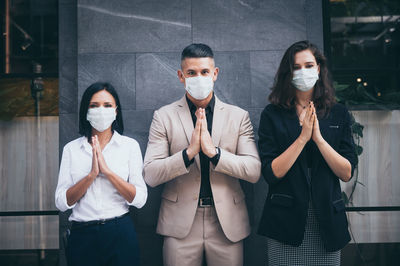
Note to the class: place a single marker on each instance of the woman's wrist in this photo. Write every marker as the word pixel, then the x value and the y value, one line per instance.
pixel 320 141
pixel 91 176
pixel 302 140
pixel 108 173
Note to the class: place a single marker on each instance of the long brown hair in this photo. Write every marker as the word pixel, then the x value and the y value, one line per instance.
pixel 284 93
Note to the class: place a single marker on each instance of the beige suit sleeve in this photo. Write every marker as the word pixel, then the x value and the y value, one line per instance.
pixel 159 165
pixel 245 164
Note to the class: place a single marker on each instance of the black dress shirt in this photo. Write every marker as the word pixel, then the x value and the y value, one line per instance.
pixel 205 187
pixel 309 150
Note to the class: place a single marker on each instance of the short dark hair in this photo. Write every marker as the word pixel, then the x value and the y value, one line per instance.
pixel 284 93
pixel 85 129
pixel 196 50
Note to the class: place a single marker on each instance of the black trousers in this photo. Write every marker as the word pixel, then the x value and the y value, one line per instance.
pixel 112 243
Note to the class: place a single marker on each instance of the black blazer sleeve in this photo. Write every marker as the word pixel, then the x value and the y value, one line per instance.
pixel 346 146
pixel 267 144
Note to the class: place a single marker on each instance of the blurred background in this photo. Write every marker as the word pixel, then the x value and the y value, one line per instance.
pixel 52 50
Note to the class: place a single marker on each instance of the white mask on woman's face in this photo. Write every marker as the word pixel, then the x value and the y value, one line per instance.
pixel 304 79
pixel 101 118
pixel 199 87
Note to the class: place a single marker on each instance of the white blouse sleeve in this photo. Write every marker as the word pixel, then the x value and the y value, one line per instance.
pixel 64 181
pixel 136 177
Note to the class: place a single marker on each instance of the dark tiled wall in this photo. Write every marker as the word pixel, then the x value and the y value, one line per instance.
pixel 136 46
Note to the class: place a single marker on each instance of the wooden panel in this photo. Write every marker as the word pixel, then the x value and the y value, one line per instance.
pixel 379 164
pixel 29 232
pixel 374 227
pixel 379 171
pixel 28 163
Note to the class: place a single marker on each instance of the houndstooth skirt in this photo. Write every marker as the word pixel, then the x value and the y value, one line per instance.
pixel 310 252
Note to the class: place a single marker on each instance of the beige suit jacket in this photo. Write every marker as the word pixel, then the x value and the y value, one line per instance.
pixel 170 134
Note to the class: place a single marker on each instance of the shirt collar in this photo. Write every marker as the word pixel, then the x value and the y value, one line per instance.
pixel 209 107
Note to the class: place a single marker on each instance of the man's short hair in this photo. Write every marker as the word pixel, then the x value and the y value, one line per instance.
pixel 196 50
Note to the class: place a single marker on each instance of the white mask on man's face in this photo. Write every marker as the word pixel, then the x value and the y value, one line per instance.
pixel 199 87
pixel 101 118
pixel 304 79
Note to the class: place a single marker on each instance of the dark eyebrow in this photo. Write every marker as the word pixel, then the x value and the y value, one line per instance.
pixel 98 103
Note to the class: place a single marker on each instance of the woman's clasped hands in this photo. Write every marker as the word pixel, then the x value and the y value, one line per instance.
pixel 310 124
pixel 99 165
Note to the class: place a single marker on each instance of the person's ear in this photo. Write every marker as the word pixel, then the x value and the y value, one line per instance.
pixel 216 71
pixel 181 76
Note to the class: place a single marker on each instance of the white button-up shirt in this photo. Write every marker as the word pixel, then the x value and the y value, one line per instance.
pixel 101 200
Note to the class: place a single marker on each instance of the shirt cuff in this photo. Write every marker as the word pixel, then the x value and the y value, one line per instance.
pixel 140 198
pixel 215 159
pixel 186 159
pixel 62 203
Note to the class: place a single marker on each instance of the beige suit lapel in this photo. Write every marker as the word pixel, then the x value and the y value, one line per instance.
pixel 218 121
pixel 187 123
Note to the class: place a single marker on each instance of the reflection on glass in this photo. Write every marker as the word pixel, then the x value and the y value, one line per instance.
pixel 29 144
pixel 28 125
pixel 365 52
pixel 30 36
pixel 17 97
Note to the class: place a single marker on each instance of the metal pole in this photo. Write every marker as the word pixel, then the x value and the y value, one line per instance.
pixel 7 35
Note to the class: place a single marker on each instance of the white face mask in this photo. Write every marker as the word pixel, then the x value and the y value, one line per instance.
pixel 101 117
pixel 304 79
pixel 199 87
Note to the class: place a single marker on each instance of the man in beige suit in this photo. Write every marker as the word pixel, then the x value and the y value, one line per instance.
pixel 200 147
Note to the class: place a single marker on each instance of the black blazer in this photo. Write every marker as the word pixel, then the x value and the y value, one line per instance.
pixel 286 206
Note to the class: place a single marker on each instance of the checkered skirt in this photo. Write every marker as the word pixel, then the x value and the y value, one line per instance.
pixel 310 252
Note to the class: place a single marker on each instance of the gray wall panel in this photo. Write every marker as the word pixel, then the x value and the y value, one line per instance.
pixel 263 67
pixel 133 26
pixel 157 80
pixel 68 93
pixel 233 84
pixel 137 124
pixel 136 45
pixel 248 24
pixel 118 69
pixel 68 129
pixel 67 26
pixel 314 23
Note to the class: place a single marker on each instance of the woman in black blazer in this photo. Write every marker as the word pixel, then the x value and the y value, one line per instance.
pixel 305 146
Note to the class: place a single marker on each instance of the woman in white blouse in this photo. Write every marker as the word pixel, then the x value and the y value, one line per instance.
pixel 100 177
